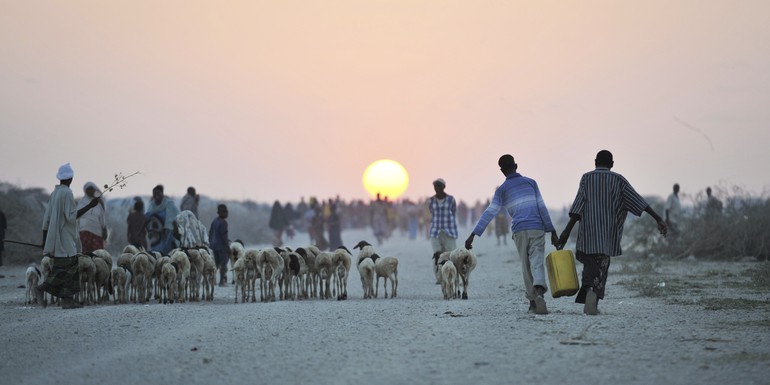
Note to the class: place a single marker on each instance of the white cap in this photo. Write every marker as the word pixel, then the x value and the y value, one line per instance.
pixel 65 172
pixel 440 181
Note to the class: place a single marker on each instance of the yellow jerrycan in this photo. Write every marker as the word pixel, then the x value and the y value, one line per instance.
pixel 562 274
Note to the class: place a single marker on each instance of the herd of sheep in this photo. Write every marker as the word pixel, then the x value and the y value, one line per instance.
pixel 283 273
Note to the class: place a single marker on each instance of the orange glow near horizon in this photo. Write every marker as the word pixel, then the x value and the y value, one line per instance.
pixel 387 178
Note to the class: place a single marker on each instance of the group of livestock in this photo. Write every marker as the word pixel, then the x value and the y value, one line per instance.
pixel 137 276
pixel 308 272
pixel 189 274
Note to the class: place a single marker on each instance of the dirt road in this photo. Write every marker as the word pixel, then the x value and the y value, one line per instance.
pixel 418 338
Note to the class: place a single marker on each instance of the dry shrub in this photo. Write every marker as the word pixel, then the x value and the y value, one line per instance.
pixel 740 230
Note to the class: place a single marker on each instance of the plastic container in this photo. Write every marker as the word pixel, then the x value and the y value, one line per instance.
pixel 562 274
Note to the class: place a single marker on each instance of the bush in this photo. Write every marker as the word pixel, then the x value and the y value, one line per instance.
pixel 740 229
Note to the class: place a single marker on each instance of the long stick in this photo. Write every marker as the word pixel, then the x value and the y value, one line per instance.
pixel 22 243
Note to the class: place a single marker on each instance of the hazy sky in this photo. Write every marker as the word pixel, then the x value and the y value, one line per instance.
pixel 268 100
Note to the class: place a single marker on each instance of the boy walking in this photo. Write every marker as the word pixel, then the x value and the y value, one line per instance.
pixel 521 198
pixel 603 200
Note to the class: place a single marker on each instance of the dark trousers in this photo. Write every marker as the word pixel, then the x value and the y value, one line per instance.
pixel 64 280
pixel 595 269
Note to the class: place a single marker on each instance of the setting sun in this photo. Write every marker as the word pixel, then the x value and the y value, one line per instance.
pixel 386 177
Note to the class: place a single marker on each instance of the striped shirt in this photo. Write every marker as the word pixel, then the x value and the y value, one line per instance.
pixel 603 201
pixel 521 198
pixel 443 216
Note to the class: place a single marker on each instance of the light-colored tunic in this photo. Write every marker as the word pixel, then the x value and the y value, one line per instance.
pixel 60 220
pixel 93 220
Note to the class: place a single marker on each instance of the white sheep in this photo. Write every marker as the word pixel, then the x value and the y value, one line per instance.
pixel 102 277
pixel 311 277
pixel 366 250
pixel 387 269
pixel 130 249
pixel 251 273
pixel 342 260
pixel 270 265
pixel 464 261
pixel 142 270
pixel 366 270
pixel 121 278
pixel 33 278
pixel 448 278
pixel 239 277
pixel 195 278
pixel 182 273
pixel 237 251
pixel 294 272
pixel 209 274
pixel 87 270
pixel 103 254
pixel 168 284
pixel 325 273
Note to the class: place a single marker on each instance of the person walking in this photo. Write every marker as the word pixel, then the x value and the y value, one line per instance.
pixel 713 206
pixel 602 202
pixel 190 201
pixel 521 198
pixel 334 226
pixel 501 227
pixel 443 225
pixel 378 219
pixel 672 213
pixel 220 243
pixel 61 241
pixel 278 223
pixel 160 217
pixel 137 232
pixel 93 224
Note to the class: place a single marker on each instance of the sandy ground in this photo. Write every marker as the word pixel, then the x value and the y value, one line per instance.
pixel 417 338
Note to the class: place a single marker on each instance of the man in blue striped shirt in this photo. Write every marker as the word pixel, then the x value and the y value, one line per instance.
pixel 521 197
pixel 603 200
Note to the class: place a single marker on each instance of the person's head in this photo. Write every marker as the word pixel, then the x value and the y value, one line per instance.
pixel 222 211
pixel 65 174
pixel 604 159
pixel 138 204
pixel 439 185
pixel 708 192
pixel 157 193
pixel 507 164
pixel 676 188
pixel 191 190
pixel 91 190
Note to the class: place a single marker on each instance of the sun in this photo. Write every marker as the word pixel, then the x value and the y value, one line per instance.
pixel 386 177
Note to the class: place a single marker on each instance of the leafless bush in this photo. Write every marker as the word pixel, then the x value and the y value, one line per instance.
pixel 740 229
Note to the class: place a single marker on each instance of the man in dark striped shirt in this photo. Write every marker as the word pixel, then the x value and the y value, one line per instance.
pixel 603 200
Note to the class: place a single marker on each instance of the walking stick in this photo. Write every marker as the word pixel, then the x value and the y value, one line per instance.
pixel 23 243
